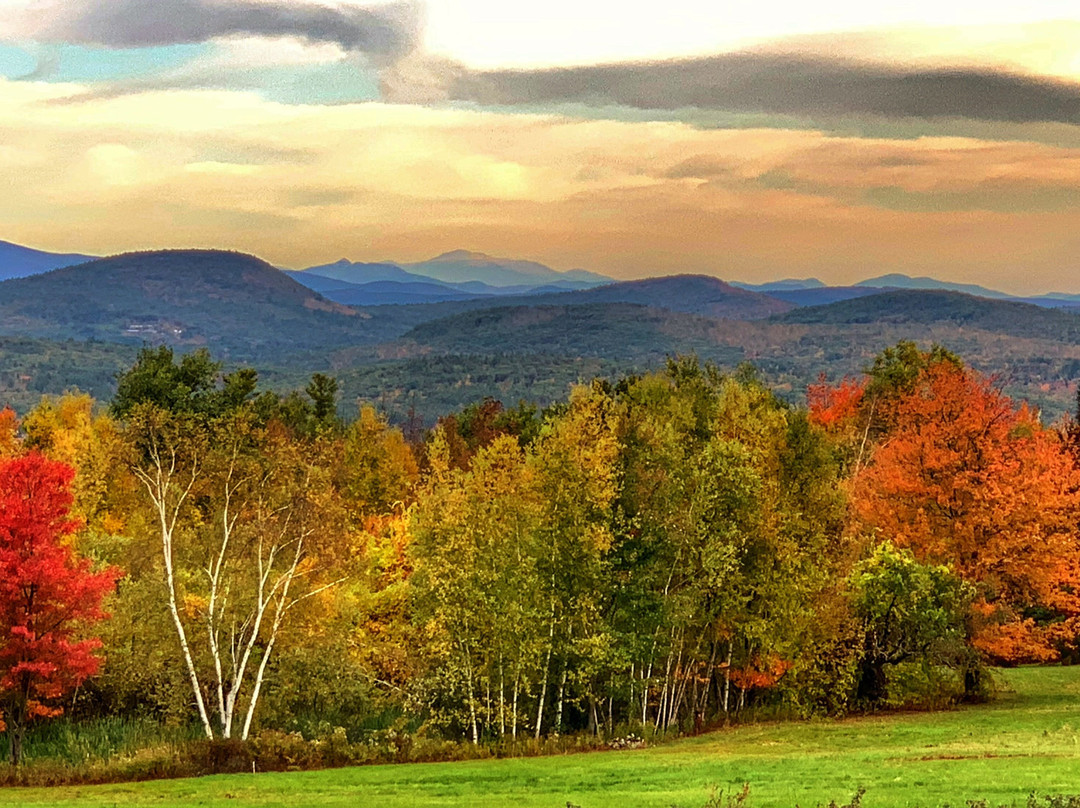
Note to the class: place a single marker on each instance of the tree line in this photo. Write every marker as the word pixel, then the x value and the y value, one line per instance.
pixel 662 554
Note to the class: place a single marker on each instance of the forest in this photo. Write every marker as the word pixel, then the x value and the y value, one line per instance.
pixel 671 552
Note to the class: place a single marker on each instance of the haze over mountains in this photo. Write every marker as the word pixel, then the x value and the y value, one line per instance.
pixel 414 342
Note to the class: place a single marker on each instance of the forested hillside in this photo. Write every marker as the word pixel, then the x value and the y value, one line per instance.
pixel 418 361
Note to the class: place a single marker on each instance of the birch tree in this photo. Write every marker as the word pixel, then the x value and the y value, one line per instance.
pixel 237 513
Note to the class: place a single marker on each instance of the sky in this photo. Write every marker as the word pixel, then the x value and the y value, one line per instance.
pixel 752 141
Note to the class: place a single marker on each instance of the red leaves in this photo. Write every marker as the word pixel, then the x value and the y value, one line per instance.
pixel 46 593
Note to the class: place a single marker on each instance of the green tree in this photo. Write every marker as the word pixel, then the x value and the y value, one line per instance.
pixel 323 392
pixel 910 612
pixel 193 385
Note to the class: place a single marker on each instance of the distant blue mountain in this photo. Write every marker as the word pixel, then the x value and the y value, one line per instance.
pixel 19 262
pixel 463 266
pixel 785 285
pixel 824 295
pixel 458 275
pixel 383 293
pixel 899 281
pixel 318 283
pixel 359 272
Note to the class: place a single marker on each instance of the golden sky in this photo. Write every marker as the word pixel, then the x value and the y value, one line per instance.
pixel 842 143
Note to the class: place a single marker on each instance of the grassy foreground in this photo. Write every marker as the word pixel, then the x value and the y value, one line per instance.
pixel 1028 740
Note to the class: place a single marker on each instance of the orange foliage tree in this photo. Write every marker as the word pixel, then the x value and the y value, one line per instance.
pixel 965 477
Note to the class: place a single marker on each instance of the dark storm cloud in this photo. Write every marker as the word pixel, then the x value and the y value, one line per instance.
pixel 778 84
pixel 388 30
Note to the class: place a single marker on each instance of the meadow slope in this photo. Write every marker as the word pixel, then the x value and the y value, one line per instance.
pixel 1028 739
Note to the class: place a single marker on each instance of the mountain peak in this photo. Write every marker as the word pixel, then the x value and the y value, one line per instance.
pixel 462 255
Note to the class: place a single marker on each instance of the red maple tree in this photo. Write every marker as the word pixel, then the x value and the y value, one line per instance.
pixel 967 478
pixel 47 595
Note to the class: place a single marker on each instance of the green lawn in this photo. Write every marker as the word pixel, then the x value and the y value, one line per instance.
pixel 1029 739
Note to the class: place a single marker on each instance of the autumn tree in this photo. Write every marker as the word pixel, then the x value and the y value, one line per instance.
pixel 239 511
pixel 961 475
pixel 71 429
pixel 47 595
pixel 475 595
pixel 575 465
pixel 725 533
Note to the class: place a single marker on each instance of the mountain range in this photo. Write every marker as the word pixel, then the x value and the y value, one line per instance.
pixel 464 275
pixel 415 343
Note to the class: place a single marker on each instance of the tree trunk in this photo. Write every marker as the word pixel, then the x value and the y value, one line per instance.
pixel 727 680
pixel 562 693
pixel 502 700
pixel 185 649
pixel 873 682
pixel 14 713
pixel 514 717
pixel 472 700
pixel 15 743
pixel 544 681
pixel 973 682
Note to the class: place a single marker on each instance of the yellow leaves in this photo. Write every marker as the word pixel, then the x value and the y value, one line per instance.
pixel 65 428
pixel 112 524
pixel 379 467
pixel 599 537
pixel 9 433
pixel 194 605
pixel 306 565
pixel 578 453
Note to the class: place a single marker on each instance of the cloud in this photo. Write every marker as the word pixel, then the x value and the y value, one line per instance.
pixel 772 83
pixel 383 31
pixel 307 184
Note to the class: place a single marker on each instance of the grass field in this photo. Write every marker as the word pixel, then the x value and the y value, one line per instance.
pixel 1028 740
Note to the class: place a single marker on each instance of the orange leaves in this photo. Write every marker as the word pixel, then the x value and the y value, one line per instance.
pixel 962 476
pixel 760 672
pixel 1016 642
pixel 830 407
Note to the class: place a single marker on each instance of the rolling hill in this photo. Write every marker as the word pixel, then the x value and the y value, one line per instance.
pixel 477 276
pixel 922 307
pixel 823 295
pixel 617 331
pixel 784 285
pixel 76 326
pixel 897 280
pixel 235 303
pixel 358 273
pixel 690 294
pixel 388 293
